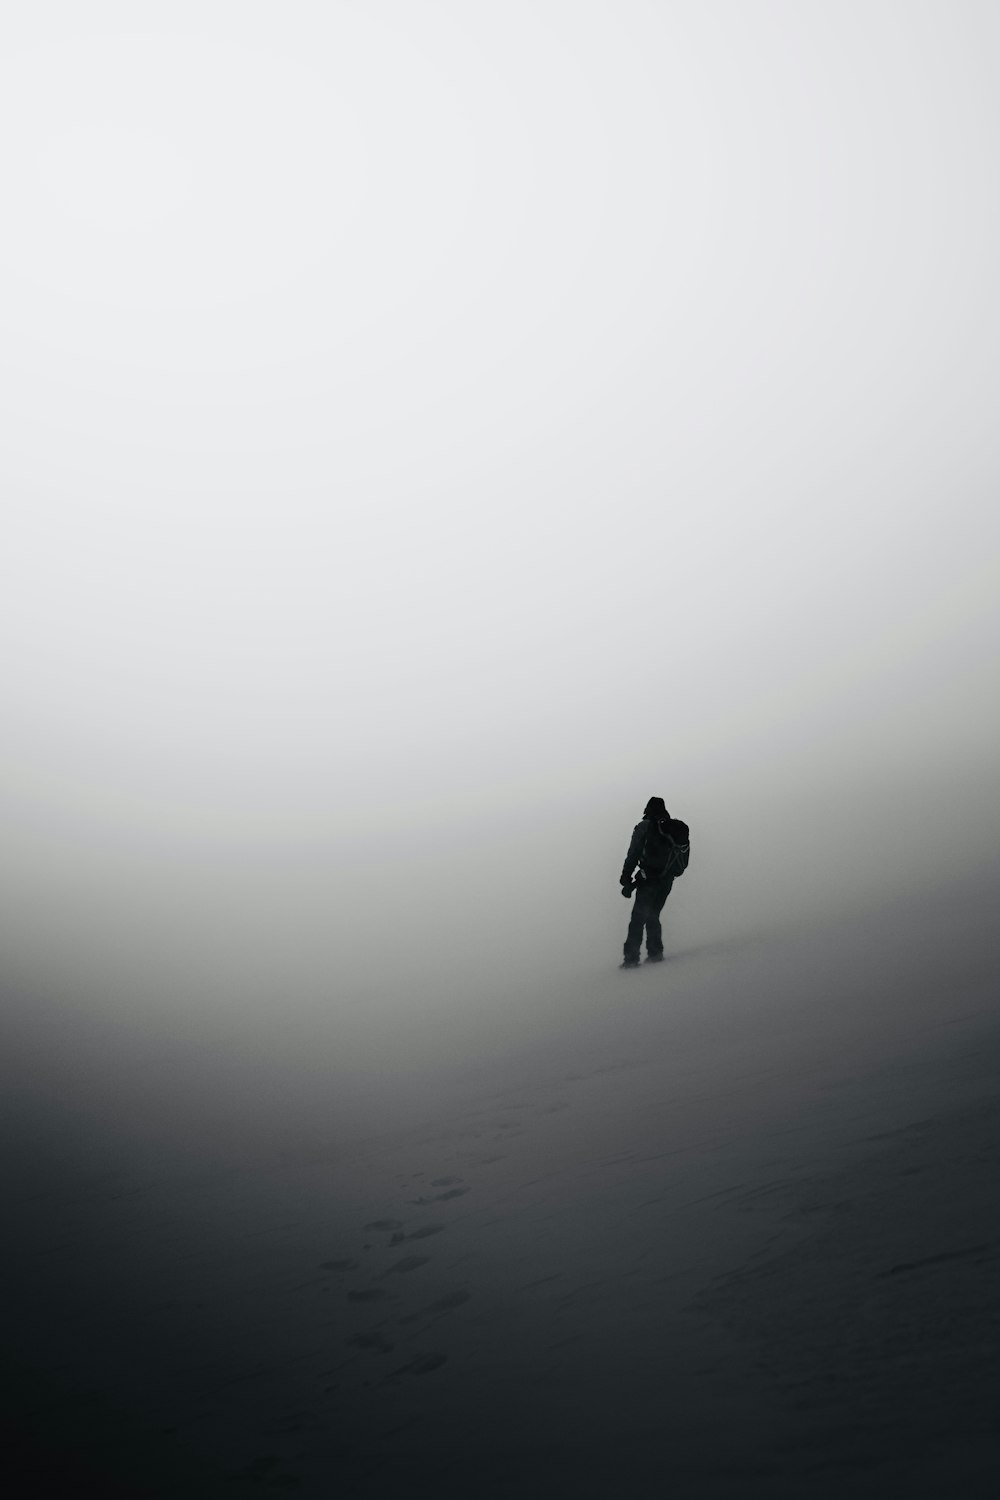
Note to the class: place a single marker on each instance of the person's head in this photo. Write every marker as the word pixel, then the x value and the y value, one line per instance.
pixel 655 808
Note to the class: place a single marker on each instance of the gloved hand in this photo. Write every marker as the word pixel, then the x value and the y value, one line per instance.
pixel 628 886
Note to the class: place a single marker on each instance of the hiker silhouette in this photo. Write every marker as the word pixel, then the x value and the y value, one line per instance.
pixel 658 853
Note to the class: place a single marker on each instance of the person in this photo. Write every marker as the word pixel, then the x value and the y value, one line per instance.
pixel 660 849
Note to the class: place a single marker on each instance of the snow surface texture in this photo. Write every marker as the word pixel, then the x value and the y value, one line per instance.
pixel 729 1219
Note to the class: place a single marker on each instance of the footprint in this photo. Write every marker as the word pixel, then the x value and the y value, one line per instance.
pixel 407 1264
pixel 385 1225
pixel 338 1265
pixel 422 1365
pixel 368 1294
pixel 450 1183
pixel 374 1340
pixel 450 1300
pixel 933 1260
pixel 417 1234
pixel 425 1232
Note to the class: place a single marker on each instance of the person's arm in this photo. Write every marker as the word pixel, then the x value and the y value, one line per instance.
pixel 634 851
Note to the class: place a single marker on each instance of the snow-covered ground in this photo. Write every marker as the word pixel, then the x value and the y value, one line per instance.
pixel 728 1224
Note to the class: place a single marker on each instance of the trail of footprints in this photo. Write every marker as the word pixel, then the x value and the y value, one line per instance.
pixel 393 1235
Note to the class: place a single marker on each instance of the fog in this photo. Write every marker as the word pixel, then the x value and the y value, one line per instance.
pixel 432 430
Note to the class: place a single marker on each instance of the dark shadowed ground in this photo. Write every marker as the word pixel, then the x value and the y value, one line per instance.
pixel 728 1227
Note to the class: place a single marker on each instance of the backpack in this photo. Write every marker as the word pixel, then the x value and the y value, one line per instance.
pixel 667 849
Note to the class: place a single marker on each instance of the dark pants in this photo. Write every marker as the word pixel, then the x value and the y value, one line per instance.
pixel 649 898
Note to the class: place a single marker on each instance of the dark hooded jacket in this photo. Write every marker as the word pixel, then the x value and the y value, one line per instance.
pixel 660 847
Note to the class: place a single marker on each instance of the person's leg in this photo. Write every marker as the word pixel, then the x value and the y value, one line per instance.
pixel 637 922
pixel 658 892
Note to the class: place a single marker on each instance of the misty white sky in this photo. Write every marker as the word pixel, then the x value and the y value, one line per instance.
pixel 424 410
